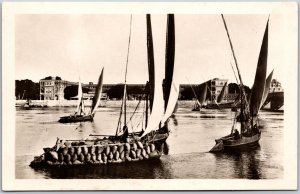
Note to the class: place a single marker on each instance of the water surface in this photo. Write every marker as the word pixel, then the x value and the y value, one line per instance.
pixel 192 136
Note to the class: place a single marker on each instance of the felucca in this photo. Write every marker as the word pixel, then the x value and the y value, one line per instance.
pixel 247 117
pixel 80 115
pixel 125 146
pixel 201 98
pixel 220 103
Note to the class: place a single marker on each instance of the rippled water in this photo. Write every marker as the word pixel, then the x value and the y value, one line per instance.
pixel 192 136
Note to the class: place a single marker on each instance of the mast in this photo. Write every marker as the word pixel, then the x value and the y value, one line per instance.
pixel 150 56
pixel 233 53
pixel 79 95
pixel 243 117
pixel 242 90
pixel 234 73
pixel 170 89
pixel 125 84
pixel 170 57
pixel 146 118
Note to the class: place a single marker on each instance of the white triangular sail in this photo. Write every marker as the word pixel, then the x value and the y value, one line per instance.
pixel 98 92
pixel 79 96
pixel 159 103
pixel 157 109
pixel 172 102
pixel 221 95
pixel 258 88
pixel 266 90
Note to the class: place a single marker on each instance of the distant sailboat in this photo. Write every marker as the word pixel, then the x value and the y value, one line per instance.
pixel 139 144
pixel 219 103
pixel 80 115
pixel 247 118
pixel 201 97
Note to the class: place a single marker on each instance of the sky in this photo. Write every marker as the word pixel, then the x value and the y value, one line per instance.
pixel 73 46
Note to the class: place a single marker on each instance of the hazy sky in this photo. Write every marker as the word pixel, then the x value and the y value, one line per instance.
pixel 70 46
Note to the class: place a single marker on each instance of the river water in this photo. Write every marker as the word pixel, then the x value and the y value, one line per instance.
pixel 192 136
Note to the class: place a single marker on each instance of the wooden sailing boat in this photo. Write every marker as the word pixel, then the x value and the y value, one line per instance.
pixel 80 115
pixel 127 146
pixel 201 98
pixel 247 118
pixel 219 103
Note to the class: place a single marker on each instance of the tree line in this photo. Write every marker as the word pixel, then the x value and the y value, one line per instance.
pixel 27 89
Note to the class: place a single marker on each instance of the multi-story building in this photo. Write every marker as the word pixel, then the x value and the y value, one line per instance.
pixel 275 99
pixel 92 89
pixel 275 86
pixel 52 88
pixel 215 87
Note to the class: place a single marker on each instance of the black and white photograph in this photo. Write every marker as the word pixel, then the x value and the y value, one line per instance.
pixel 149 96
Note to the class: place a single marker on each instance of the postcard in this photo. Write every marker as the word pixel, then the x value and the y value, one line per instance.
pixel 149 96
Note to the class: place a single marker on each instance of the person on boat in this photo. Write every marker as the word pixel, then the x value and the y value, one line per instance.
pixel 59 144
pixel 164 128
pixel 255 129
pixel 124 136
pixel 142 132
pixel 197 106
pixel 236 134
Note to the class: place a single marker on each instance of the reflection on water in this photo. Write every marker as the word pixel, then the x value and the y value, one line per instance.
pixel 154 169
pixel 245 164
pixel 192 136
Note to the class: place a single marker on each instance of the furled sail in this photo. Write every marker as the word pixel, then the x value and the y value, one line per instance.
pixel 260 77
pixel 79 96
pixel 267 87
pixel 171 102
pixel 202 93
pixel 150 61
pixel 170 57
pixel 96 99
pixel 222 93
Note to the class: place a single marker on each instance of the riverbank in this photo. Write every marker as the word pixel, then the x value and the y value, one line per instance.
pixel 56 103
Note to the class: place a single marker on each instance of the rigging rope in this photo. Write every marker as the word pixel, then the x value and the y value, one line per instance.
pixel 134 111
pixel 210 91
pixel 125 93
pixel 236 64
pixel 192 88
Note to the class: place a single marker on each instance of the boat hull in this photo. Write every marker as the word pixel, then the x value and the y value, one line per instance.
pixel 230 144
pixel 244 143
pixel 196 109
pixel 73 119
pixel 220 106
pixel 103 152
